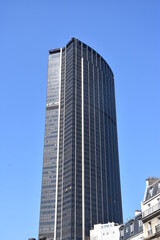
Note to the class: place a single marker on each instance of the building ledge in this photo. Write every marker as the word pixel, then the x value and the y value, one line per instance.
pixel 153 236
pixel 151 212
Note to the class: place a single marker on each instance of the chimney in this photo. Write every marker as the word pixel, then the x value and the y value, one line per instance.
pixel 137 212
pixel 151 180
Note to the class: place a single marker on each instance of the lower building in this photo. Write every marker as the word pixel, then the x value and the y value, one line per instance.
pixel 151 209
pixel 133 228
pixel 144 226
pixel 109 231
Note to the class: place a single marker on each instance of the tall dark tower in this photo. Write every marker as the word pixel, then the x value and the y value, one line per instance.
pixel 81 180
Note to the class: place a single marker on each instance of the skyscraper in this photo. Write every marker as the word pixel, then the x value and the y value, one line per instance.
pixel 81 181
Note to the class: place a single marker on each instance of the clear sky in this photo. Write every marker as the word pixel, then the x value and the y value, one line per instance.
pixel 127 34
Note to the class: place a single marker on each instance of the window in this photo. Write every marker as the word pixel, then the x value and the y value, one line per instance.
pixel 122 232
pixel 139 222
pixel 127 229
pixel 149 228
pixel 150 192
pixel 158 190
pixel 131 227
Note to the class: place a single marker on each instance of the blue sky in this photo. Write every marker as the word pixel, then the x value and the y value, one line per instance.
pixel 126 33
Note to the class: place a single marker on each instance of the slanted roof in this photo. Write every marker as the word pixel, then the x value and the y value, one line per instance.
pixel 137 229
pixel 153 188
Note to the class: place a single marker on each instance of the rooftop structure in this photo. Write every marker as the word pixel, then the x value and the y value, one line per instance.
pixel 108 231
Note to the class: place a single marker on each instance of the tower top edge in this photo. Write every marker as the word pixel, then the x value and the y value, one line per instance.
pixel 55 50
pixel 72 40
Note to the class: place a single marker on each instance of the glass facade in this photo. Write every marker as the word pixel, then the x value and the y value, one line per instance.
pixel 48 192
pixel 81 181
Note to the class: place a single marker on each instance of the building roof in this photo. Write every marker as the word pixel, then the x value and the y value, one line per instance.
pixel 127 231
pixel 72 40
pixel 152 188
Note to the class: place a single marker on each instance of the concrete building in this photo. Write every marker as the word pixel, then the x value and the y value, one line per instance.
pixel 151 209
pixel 81 180
pixel 108 231
pixel 146 223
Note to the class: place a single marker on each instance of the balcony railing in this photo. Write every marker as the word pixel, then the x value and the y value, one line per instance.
pixel 151 210
pixel 157 228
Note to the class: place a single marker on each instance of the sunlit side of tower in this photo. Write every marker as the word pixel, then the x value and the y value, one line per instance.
pixel 81 180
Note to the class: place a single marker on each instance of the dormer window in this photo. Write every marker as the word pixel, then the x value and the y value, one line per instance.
pixel 140 222
pixel 127 229
pixel 131 227
pixel 150 192
pixel 122 232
